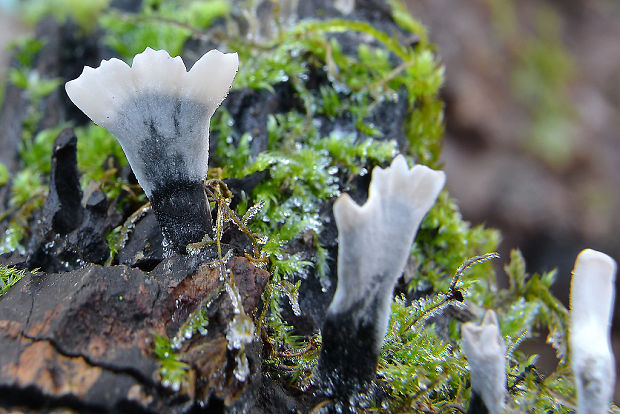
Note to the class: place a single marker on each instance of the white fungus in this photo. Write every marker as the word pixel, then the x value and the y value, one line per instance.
pixel 374 244
pixel 375 239
pixel 486 353
pixel 157 94
pixel 160 114
pixel 591 304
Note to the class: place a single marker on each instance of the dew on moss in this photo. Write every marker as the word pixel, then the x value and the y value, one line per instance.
pixel 240 331
pixel 242 368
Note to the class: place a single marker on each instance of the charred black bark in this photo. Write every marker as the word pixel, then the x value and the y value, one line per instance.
pixel 63 203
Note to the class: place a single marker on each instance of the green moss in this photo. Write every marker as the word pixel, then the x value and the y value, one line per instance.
pixel 27 196
pixel 202 14
pixel 28 188
pixel 173 371
pixel 160 24
pixel 128 37
pixel 25 49
pixel 99 158
pixel 85 13
pixel 412 355
pixel 35 153
pixel 418 367
pixel 405 20
pixel 8 277
pixel 4 175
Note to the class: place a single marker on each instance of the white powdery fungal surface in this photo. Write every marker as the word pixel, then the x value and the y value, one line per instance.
pixel 375 239
pixel 486 353
pixel 158 111
pixel 591 303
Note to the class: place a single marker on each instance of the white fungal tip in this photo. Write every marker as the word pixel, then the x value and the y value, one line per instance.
pixel 158 111
pixel 155 70
pixel 591 302
pixel 417 187
pixel 211 77
pixel 347 212
pixel 485 350
pixel 98 92
pixel 375 239
pixel 592 288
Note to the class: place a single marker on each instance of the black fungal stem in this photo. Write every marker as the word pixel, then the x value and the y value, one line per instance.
pixel 183 213
pixel 476 404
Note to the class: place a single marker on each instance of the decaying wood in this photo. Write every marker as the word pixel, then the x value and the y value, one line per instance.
pixel 84 339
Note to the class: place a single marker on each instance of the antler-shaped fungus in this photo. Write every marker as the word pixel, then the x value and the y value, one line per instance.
pixel 374 244
pixel 160 114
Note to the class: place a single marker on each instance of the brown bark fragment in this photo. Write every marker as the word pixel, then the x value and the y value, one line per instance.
pixel 84 339
pixel 41 366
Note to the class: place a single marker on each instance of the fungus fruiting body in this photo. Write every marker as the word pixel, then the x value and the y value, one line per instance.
pixel 591 303
pixel 374 244
pixel 486 353
pixel 160 114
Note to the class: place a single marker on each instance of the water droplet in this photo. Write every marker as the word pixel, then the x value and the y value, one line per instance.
pixel 326 283
pixel 242 368
pixel 177 342
pixel 240 331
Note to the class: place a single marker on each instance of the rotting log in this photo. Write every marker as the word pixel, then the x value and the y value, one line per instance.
pixel 83 340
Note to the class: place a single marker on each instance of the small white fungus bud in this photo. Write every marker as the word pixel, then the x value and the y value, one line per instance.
pixel 591 303
pixel 486 353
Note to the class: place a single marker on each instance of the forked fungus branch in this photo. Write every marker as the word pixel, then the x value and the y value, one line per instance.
pixel 160 114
